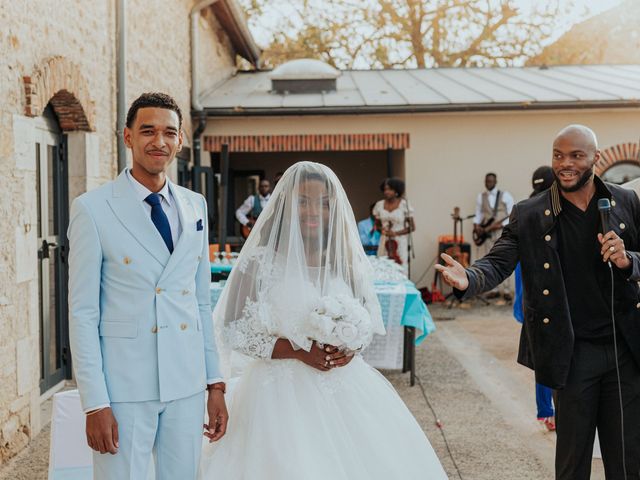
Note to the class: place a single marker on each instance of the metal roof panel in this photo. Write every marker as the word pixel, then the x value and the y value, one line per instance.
pixel 442 89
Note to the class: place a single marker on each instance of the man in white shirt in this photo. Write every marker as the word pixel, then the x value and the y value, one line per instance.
pixel 251 208
pixel 493 208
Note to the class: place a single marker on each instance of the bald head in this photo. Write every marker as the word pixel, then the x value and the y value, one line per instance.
pixel 578 135
pixel 575 152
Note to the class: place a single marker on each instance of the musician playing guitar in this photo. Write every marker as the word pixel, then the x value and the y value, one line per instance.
pixel 251 208
pixel 493 208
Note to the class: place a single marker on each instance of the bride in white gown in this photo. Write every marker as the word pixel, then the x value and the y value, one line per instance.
pixel 304 409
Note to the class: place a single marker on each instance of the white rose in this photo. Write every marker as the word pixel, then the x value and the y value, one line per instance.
pixel 346 333
pixel 358 314
pixel 332 307
pixel 322 327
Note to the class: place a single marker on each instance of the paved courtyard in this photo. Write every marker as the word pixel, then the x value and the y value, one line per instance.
pixel 468 383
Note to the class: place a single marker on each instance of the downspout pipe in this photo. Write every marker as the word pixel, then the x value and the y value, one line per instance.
pixel 195 86
pixel 121 80
pixel 197 150
pixel 196 106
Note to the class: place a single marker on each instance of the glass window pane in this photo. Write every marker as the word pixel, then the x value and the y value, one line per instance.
pixel 54 362
pixel 39 190
pixel 51 203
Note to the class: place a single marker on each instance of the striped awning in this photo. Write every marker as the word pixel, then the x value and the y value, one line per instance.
pixel 308 143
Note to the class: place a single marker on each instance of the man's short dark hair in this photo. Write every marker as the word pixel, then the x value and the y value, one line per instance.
pixel 153 100
pixel 395 184
pixel 491 174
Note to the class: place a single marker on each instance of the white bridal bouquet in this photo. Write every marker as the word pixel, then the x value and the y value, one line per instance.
pixel 340 321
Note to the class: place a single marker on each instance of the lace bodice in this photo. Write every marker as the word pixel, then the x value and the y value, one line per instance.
pixel 279 315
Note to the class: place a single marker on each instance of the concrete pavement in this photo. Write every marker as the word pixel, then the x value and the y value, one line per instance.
pixel 469 381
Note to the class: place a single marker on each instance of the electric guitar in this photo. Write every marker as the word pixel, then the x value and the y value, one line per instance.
pixel 481 234
pixel 245 230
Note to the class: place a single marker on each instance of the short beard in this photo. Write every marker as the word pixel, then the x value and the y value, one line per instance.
pixel 586 176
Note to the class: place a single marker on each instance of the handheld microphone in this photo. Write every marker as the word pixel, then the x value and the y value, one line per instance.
pixel 604 206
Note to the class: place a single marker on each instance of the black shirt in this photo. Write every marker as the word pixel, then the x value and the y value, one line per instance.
pixel 587 279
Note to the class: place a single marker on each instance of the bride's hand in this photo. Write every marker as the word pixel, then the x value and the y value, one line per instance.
pixel 340 358
pixel 317 357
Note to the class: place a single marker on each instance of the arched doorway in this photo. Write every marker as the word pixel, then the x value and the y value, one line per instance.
pixel 52 221
pixel 619 163
pixel 57 97
pixel 621 172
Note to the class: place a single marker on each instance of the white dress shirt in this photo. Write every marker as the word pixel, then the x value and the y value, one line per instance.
pixel 167 203
pixel 247 206
pixel 504 197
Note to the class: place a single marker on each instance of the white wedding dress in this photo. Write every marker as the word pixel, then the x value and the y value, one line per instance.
pixel 289 421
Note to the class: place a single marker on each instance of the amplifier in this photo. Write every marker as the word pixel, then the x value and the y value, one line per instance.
pixel 460 252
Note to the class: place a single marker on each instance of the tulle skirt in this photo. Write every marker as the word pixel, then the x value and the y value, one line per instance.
pixel 290 421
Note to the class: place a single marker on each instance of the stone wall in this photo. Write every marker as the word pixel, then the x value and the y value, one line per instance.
pixel 63 53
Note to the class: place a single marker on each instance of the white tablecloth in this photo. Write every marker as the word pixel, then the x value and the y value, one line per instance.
pixel 385 351
pixel 70 458
pixel 69 455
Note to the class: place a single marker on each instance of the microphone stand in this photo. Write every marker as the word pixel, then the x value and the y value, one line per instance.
pixel 409 350
pixel 407 224
pixel 457 242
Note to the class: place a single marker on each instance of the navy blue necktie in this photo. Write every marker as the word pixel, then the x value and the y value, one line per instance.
pixel 160 220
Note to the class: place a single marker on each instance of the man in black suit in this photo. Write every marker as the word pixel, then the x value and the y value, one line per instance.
pixel 568 336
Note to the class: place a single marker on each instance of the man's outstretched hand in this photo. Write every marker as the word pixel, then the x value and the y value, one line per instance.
pixel 453 273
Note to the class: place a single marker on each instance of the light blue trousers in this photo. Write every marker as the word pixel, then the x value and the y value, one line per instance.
pixel 171 431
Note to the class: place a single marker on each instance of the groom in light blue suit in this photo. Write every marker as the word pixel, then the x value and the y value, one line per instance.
pixel 141 331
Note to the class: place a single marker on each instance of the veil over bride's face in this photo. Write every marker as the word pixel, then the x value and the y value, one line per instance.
pixel 313 211
pixel 305 244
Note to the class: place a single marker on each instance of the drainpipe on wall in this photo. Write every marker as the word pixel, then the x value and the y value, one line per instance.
pixel 195 87
pixel 197 148
pixel 196 106
pixel 121 80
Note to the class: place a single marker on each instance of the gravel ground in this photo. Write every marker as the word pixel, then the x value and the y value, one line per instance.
pixel 482 445
pixel 468 376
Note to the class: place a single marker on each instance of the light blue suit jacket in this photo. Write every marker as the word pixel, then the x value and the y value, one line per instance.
pixel 140 318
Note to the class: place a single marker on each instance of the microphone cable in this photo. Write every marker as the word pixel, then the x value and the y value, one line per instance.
pixel 615 352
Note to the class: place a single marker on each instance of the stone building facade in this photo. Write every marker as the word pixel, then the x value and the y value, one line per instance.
pixel 58 139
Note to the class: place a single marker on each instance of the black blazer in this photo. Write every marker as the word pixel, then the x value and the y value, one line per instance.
pixel 546 339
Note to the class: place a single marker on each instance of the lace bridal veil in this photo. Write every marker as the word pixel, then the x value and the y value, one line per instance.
pixel 304 246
